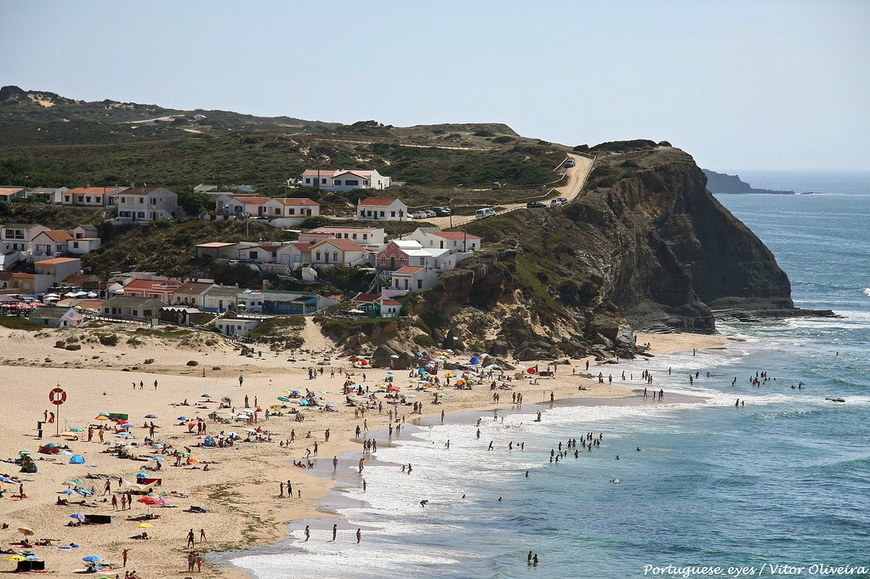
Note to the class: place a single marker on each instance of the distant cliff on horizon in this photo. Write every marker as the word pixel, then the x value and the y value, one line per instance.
pixel 723 183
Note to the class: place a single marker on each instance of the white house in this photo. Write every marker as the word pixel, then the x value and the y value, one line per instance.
pixel 375 305
pixel 191 293
pixel 294 252
pixel 50 242
pixel 401 252
pixel 56 317
pixel 235 327
pixel 220 298
pixel 85 239
pixel 386 208
pixel 410 278
pixel 17 236
pixel 358 179
pixel 337 252
pixel 87 196
pixel 242 205
pixel 145 204
pixel 454 241
pixel 294 207
pixel 361 235
pixel 344 179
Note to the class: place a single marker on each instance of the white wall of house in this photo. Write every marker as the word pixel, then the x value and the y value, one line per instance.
pixel 395 211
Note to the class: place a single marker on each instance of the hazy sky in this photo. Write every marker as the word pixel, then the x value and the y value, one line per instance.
pixel 738 84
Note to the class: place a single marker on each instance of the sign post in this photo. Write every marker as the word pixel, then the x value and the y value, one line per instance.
pixel 57 396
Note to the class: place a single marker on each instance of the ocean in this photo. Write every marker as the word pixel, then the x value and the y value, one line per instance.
pixel 716 490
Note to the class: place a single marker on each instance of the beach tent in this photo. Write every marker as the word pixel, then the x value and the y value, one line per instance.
pixel 77 459
pixel 475 360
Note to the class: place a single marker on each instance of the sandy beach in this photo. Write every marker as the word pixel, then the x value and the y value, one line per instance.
pixel 240 489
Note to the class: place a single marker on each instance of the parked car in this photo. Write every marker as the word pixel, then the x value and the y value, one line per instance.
pixel 443 211
pixel 419 215
pixel 569 163
pixel 484 213
pixel 534 204
pixel 429 213
pixel 558 202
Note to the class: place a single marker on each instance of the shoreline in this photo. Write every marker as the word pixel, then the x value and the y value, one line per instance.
pixel 241 488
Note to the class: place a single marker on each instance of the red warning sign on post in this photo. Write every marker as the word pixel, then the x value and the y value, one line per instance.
pixel 57 396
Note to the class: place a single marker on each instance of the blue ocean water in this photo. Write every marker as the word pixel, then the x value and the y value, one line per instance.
pixel 784 479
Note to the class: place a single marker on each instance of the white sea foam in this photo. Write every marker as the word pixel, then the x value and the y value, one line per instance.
pixel 866 292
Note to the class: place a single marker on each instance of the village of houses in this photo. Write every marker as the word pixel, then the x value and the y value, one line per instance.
pixel 59 294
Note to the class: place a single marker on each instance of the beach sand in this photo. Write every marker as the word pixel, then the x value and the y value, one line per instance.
pixel 241 488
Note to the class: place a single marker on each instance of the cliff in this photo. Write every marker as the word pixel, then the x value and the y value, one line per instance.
pixel 644 247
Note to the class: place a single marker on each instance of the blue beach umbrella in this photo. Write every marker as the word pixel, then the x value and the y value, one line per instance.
pixel 128 425
pixel 150 416
pixel 92 558
pixel 77 459
pixel 77 516
pixel 182 418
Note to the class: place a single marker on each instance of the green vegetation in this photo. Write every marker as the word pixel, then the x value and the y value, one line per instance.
pixel 340 329
pixel 277 328
pixel 17 323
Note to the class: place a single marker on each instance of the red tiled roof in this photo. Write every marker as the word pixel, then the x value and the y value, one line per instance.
pixel 408 269
pixel 152 284
pixel 318 173
pixel 77 278
pixel 453 235
pixel 57 261
pixel 139 190
pixel 343 244
pixel 302 245
pixel 378 201
pixel 95 190
pixel 297 201
pixel 250 199
pixel 55 235
pixel 389 302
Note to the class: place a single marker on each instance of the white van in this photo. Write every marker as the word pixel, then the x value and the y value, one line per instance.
pixel 484 213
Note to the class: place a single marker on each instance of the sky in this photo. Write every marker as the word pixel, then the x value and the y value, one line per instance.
pixel 740 85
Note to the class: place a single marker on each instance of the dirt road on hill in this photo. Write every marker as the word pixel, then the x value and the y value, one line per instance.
pixel 575 178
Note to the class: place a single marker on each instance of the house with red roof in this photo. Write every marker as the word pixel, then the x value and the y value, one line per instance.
pixel 88 196
pixel 292 207
pixel 242 205
pixel 7 194
pixel 158 289
pixel 338 252
pixel 366 236
pixel 50 242
pixel 410 278
pixel 384 208
pixel 294 253
pixel 51 272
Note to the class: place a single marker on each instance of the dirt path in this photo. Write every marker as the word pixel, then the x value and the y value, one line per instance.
pixel 575 178
pixel 315 341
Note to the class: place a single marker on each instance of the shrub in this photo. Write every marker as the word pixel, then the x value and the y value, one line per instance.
pixel 108 339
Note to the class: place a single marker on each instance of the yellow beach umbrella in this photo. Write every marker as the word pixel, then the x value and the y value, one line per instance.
pixel 15 558
pixel 26 530
pixel 145 525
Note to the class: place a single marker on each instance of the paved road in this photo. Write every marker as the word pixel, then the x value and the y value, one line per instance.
pixel 575 178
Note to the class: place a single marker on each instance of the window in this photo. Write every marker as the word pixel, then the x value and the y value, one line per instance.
pixel 123 199
pixel 392 213
pixel 351 182
pixel 75 244
pixel 419 284
pixel 335 256
pixel 308 180
pixel 338 182
pixel 153 201
pixel 141 214
pixel 317 256
pixel 66 198
pixel 292 211
pixel 88 199
pixel 383 213
pixel 354 236
pixel 323 181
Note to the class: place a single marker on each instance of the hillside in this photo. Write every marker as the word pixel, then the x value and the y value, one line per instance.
pixel 644 246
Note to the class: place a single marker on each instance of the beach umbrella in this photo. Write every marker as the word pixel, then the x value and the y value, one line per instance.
pixel 205 396
pixel 330 404
pixel 158 458
pixel 32 558
pixel 16 558
pixel 67 492
pixel 78 517
pixel 283 399
pixel 102 417
pixel 294 391
pixel 148 500
pixel 150 416
pixel 145 525
pixel 182 418
pixel 92 558
pixel 128 425
pixel 77 459
pixel 192 460
pixel 393 389
pixel 26 530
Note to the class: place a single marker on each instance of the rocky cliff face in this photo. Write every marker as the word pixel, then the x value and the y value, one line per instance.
pixel 645 246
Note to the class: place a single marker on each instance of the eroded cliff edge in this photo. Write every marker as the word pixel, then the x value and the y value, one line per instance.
pixel 644 247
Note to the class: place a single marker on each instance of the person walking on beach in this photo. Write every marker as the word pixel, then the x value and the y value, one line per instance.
pixel 358 536
pixel 307 533
pixel 202 535
pixel 334 531
pixel 241 380
pixel 281 487
pixel 124 557
pixel 191 539
pixel 334 462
